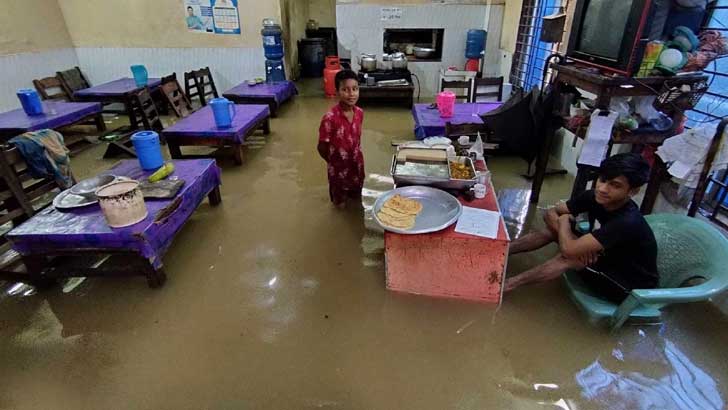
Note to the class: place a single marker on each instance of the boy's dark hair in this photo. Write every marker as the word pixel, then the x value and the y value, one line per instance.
pixel 343 75
pixel 631 166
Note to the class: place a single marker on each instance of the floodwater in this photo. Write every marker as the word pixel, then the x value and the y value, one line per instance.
pixel 275 300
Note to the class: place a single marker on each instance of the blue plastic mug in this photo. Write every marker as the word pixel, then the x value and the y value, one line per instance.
pixel 30 100
pixel 140 75
pixel 224 112
pixel 149 153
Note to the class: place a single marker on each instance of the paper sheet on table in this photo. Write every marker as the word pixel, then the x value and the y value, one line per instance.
pixel 597 139
pixel 478 222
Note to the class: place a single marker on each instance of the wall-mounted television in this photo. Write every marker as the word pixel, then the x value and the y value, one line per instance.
pixel 610 34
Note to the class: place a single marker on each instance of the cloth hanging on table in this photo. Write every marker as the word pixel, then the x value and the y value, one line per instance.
pixel 686 153
pixel 46 155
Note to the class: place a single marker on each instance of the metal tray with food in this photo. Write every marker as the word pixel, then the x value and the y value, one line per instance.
pixel 416 209
pixel 433 172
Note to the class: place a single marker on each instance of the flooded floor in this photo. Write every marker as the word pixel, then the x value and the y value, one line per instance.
pixel 275 300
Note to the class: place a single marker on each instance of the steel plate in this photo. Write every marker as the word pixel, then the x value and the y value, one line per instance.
pixel 439 209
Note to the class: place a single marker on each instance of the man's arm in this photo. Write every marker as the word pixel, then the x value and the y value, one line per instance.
pixel 585 249
pixel 551 218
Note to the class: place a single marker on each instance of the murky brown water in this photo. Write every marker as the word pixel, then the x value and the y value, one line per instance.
pixel 277 301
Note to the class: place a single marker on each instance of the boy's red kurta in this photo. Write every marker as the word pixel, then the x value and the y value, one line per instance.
pixel 345 159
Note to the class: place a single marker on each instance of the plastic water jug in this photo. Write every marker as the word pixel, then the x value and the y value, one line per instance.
pixel 140 75
pixel 272 40
pixel 475 43
pixel 224 112
pixel 146 145
pixel 30 100
pixel 446 103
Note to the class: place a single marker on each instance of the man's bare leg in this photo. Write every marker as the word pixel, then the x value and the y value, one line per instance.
pixel 532 241
pixel 551 269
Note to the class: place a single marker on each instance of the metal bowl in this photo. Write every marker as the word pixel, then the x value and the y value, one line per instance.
pixel 421 52
pixel 87 187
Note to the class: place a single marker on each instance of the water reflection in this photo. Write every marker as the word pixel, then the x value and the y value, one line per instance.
pixel 684 387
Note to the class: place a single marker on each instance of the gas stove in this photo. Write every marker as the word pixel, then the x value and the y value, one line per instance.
pixel 382 75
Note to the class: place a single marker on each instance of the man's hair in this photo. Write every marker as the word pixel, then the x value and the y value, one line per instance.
pixel 343 75
pixel 190 8
pixel 631 166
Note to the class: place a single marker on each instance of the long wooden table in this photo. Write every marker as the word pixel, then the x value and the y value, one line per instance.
pixel 56 114
pixel 139 247
pixel 450 264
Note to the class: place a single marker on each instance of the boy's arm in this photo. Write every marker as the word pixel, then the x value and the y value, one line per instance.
pixel 325 130
pixel 585 249
pixel 551 218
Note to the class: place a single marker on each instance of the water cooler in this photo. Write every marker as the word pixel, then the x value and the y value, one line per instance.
pixel 474 48
pixel 273 50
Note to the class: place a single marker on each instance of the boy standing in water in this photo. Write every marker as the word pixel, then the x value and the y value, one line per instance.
pixel 340 141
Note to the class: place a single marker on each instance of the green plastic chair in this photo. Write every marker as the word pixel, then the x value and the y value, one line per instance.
pixel 688 249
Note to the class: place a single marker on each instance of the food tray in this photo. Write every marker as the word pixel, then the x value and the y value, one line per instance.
pixel 443 183
pixel 439 209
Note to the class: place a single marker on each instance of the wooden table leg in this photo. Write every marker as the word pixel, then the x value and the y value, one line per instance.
pixel 542 162
pixel 238 154
pixel 156 277
pixel 174 151
pixel 100 124
pixel 653 186
pixel 583 176
pixel 266 126
pixel 214 196
pixel 34 266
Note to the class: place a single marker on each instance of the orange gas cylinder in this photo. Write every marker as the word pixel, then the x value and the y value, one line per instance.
pixel 332 67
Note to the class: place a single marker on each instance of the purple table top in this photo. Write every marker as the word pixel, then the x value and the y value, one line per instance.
pixel 202 124
pixel 280 91
pixel 52 230
pixel 116 88
pixel 428 122
pixel 56 114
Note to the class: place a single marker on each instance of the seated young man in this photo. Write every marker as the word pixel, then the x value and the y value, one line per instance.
pixel 618 256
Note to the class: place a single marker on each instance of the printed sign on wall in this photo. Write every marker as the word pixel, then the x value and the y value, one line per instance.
pixel 391 14
pixel 212 16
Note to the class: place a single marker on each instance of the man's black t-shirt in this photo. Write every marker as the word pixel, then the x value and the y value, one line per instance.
pixel 630 250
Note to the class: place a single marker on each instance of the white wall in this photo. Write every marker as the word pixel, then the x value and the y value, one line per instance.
pixel 230 66
pixel 20 69
pixel 360 30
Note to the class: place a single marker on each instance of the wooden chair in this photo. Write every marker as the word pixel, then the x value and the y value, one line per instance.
pixel 495 86
pixel 459 85
pixel 145 110
pixel 21 196
pixel 175 97
pixel 46 87
pixel 73 80
pixel 199 84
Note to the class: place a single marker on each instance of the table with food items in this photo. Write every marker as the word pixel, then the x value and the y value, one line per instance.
pixel 444 234
pixel 125 218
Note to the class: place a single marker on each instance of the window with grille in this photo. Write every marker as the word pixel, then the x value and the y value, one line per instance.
pixel 530 55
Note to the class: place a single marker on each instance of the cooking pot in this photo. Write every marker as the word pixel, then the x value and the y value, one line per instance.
pixel 368 62
pixel 399 61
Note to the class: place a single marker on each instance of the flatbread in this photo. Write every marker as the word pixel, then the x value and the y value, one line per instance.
pixel 403 205
pixel 408 222
pixel 394 213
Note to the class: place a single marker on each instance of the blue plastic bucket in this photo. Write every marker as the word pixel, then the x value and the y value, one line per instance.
pixel 30 100
pixel 146 145
pixel 140 75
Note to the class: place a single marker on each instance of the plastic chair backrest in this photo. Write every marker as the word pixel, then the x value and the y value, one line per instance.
pixel 688 248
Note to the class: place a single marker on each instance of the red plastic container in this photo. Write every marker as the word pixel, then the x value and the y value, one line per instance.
pixel 333 66
pixel 473 64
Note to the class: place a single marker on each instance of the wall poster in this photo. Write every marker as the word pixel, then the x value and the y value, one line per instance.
pixel 212 16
